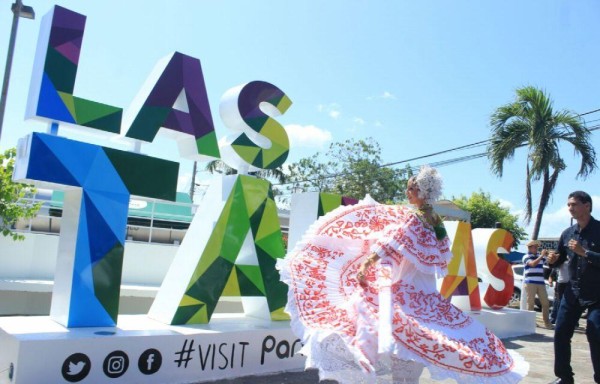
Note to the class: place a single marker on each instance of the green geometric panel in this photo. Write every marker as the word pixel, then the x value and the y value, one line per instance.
pixel 255 192
pixel 206 289
pixel 67 98
pixel 249 100
pixel 284 103
pixel 328 202
pixel 133 169
pixel 59 49
pixel 258 160
pixel 272 244
pixel 232 288
pixel 60 70
pixel 97 115
pixel 275 288
pixel 191 314
pixel 250 280
pixel 267 227
pixel 249 208
pixel 147 122
pixel 107 278
pixel 280 143
pixel 248 153
pixel 235 225
pixel 205 145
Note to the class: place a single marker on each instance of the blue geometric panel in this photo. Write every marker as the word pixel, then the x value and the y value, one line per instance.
pixel 53 105
pixel 88 295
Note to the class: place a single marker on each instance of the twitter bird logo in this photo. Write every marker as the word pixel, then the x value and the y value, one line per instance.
pixel 76 367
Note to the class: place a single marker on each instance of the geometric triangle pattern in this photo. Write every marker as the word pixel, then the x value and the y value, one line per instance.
pixel 249 208
pixel 88 278
pixel 330 201
pixel 180 82
pixel 249 100
pixel 499 268
pixel 56 73
pixel 455 283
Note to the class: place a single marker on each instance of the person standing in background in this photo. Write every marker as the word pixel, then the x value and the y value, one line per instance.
pixel 533 279
pixel 562 280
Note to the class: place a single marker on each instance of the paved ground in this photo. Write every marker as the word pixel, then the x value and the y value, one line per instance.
pixel 537 350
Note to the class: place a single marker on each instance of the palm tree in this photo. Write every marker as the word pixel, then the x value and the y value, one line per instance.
pixel 532 122
pixel 219 166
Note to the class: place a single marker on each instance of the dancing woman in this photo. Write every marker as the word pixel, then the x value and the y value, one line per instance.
pixel 363 298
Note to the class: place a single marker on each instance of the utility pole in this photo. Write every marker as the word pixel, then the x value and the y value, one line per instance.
pixel 19 10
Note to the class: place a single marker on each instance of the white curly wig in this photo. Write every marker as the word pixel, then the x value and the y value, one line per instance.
pixel 429 182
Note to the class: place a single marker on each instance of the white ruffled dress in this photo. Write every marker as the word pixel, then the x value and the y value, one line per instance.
pixel 388 331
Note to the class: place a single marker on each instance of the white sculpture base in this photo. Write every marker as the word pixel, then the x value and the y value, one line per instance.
pixel 140 349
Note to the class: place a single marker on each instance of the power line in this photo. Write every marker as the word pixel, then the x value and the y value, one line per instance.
pixel 436 164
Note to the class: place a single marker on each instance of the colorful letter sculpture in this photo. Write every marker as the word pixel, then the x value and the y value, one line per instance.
pixel 307 207
pixel 97 182
pixel 461 280
pixel 230 249
pixel 497 272
pixel 54 73
pixel 259 141
pixel 174 97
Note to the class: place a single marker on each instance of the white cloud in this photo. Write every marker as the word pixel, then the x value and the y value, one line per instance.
pixel 307 135
pixel 388 95
pixel 334 114
pixel 507 204
pixel 359 121
pixel 553 223
pixel 383 96
pixel 378 123
pixel 333 110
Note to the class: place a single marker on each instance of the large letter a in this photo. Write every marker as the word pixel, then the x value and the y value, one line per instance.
pixel 230 249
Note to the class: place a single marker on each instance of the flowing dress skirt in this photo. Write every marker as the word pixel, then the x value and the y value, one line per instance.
pixel 398 323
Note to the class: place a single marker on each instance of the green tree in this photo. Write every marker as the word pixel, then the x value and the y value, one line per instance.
pixel 531 121
pixel 12 204
pixel 485 213
pixel 352 168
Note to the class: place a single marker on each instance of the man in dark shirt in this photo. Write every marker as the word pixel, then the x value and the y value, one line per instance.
pixel 581 243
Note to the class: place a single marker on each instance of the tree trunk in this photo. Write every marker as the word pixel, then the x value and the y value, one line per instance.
pixel 193 186
pixel 537 224
pixel 545 196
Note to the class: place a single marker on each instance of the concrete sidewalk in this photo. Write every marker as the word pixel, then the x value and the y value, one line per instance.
pixel 537 349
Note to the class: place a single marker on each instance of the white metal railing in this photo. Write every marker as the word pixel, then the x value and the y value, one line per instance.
pixel 144 226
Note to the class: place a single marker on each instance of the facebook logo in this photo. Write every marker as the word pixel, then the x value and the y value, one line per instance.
pixel 150 361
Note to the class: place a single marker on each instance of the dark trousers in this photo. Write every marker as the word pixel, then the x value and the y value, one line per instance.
pixel 559 290
pixel 569 312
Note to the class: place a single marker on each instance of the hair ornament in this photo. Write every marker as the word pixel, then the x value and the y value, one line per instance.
pixel 429 182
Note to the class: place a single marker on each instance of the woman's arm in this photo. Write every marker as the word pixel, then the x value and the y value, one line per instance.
pixel 362 271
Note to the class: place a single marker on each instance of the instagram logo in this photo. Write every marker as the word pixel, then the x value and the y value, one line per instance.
pixel 115 364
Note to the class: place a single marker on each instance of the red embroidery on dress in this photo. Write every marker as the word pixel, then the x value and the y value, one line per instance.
pixel 422 322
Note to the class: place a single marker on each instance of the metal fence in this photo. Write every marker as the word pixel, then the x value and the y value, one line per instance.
pixel 152 225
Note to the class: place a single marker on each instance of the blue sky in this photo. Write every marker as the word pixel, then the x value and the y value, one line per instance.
pixel 418 77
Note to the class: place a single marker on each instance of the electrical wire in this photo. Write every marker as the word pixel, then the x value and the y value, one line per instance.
pixel 436 164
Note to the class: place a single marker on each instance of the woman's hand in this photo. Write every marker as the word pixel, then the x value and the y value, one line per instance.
pixel 361 275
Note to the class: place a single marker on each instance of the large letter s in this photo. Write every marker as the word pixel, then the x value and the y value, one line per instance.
pixel 259 141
